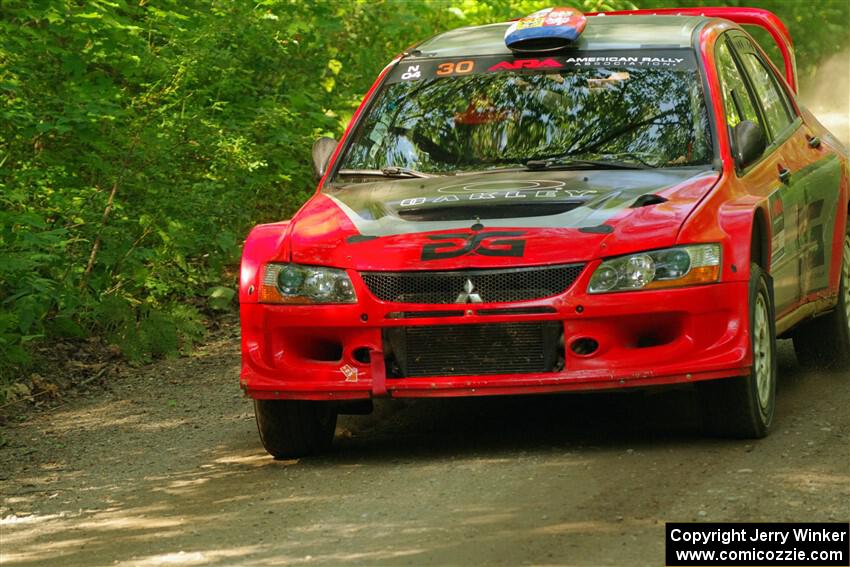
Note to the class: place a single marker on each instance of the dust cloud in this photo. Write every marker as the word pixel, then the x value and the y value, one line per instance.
pixel 827 95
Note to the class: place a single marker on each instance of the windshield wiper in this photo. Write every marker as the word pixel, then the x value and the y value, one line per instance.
pixel 394 171
pixel 567 163
pixel 390 171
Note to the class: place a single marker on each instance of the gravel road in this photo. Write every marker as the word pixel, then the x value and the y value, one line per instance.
pixel 165 468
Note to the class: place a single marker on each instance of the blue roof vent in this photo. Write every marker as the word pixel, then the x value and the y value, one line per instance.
pixel 549 29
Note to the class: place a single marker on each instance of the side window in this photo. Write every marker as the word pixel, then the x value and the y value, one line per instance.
pixel 736 98
pixel 773 99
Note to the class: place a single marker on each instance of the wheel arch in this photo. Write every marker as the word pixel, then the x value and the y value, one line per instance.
pixel 760 252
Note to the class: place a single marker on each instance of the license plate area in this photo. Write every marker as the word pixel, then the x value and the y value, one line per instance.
pixel 477 349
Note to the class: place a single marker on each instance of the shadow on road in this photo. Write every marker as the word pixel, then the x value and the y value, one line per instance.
pixel 427 428
pixel 580 479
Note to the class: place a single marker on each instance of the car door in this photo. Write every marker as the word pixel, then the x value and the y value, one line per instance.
pixel 763 178
pixel 814 174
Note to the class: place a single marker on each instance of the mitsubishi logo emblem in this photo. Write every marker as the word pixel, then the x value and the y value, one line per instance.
pixel 467 295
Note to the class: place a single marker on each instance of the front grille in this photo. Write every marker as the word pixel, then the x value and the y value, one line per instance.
pixel 462 350
pixel 492 286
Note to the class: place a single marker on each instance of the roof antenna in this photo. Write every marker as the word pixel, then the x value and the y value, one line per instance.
pixel 477 225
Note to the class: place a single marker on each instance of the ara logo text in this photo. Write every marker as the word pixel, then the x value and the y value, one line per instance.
pixel 518 64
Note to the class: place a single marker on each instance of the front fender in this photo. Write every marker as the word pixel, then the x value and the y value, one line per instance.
pixel 731 223
pixel 265 243
pixel 738 220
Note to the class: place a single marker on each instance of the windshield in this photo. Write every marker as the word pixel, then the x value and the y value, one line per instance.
pixel 456 116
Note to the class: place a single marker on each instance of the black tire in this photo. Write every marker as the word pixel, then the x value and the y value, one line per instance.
pixel 824 342
pixel 743 407
pixel 294 428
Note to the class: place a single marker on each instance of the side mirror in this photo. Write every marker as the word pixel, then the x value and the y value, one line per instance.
pixel 323 149
pixel 749 142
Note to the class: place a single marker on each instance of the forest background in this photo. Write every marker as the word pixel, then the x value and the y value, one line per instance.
pixel 140 141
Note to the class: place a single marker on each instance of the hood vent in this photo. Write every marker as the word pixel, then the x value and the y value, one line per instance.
pixel 646 200
pixel 494 211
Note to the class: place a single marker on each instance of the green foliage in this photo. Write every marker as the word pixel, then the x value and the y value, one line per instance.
pixel 220 298
pixel 157 133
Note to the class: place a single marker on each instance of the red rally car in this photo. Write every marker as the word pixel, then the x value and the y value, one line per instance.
pixel 564 202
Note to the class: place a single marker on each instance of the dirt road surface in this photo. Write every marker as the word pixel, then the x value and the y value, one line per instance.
pixel 166 468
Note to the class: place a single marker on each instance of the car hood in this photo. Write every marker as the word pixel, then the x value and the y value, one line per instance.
pixel 495 219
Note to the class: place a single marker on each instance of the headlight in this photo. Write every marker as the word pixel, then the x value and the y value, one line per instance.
pixel 673 267
pixel 294 284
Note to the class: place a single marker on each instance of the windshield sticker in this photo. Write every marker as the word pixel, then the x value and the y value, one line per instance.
pixel 518 64
pixel 459 68
pixel 419 69
pixel 629 61
pixel 411 73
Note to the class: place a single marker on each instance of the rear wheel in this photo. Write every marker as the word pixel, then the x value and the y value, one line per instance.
pixel 824 342
pixel 743 407
pixel 295 428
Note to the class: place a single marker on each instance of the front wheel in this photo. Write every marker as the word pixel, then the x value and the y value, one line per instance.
pixel 824 342
pixel 743 407
pixel 295 428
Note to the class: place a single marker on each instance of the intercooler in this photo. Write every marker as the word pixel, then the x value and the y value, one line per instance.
pixel 461 350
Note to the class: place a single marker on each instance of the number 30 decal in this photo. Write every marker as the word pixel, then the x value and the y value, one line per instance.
pixel 459 68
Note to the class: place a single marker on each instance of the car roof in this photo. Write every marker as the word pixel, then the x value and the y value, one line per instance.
pixel 602 32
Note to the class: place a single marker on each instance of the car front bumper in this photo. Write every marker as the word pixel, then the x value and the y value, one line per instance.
pixel 645 338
